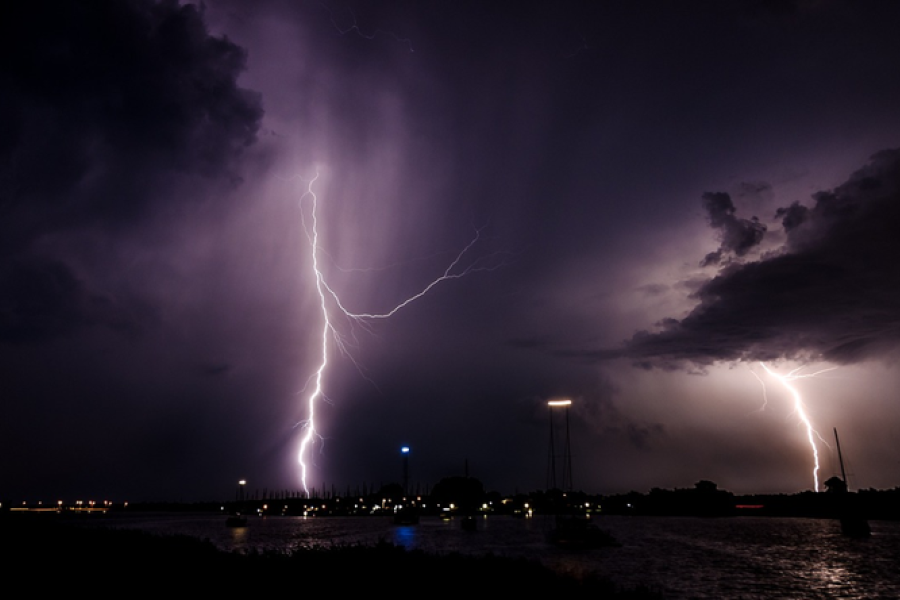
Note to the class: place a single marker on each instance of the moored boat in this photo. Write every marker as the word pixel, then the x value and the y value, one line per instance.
pixel 849 512
pixel 577 531
pixel 236 520
pixel 469 523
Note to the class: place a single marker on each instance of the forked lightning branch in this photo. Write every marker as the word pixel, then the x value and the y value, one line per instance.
pixel 331 305
pixel 800 410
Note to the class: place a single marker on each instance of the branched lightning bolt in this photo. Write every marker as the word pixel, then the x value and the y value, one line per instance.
pixel 354 27
pixel 328 297
pixel 800 409
pixel 309 426
pixel 765 394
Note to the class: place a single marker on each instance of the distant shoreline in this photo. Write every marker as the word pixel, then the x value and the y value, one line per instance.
pixel 876 504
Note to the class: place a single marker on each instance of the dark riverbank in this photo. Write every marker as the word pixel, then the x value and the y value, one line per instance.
pixel 67 557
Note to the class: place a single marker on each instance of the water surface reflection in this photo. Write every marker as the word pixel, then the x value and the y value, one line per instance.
pixel 744 557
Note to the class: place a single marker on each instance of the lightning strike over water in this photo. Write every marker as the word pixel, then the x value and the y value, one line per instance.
pixel 329 301
pixel 800 409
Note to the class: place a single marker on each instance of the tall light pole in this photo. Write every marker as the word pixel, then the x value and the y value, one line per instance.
pixel 551 455
pixel 404 450
pixel 567 450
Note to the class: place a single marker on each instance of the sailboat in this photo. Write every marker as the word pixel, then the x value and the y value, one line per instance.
pixel 849 512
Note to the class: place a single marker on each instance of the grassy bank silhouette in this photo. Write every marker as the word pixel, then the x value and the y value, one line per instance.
pixel 52 554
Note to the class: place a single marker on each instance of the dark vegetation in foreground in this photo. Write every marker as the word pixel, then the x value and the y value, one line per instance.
pixel 70 558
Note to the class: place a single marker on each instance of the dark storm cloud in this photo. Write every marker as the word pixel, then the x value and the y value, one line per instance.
pixel 739 235
pixel 42 299
pixel 106 107
pixel 833 294
pixel 605 417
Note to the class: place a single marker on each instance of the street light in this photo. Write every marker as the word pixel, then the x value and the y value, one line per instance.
pixel 567 451
pixel 404 450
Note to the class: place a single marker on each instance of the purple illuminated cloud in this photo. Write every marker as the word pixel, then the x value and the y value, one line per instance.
pixel 109 110
pixel 830 294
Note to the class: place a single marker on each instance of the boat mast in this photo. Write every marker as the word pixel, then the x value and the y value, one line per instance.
pixel 840 456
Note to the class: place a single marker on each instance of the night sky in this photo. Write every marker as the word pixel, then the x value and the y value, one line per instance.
pixel 665 194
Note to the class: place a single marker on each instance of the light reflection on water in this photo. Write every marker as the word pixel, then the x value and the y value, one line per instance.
pixel 405 535
pixel 729 558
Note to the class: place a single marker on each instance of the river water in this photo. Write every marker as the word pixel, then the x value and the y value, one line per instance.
pixel 684 558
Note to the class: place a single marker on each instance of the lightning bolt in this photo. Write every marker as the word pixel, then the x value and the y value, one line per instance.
pixel 354 27
pixel 800 410
pixel 329 302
